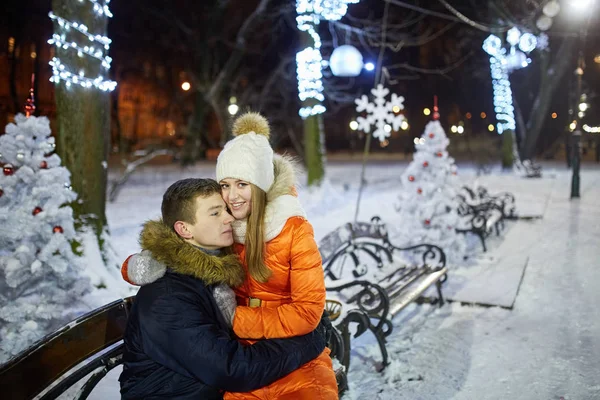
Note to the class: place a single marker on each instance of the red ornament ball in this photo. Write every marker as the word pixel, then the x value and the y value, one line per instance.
pixel 426 164
pixel 427 222
pixel 43 165
pixel 8 169
pixel 419 190
pixel 57 229
pixel 431 135
pixel 37 210
pixel 411 178
pixel 439 154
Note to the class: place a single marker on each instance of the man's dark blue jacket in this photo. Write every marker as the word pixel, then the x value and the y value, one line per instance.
pixel 178 344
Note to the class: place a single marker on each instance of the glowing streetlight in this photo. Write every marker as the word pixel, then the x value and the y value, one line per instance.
pixel 353 125
pixel 581 4
pixel 460 129
pixel 426 111
pixel 491 128
pixel 369 66
pixel 404 125
pixel 233 109
pixel 583 107
pixel 453 128
pixel 186 86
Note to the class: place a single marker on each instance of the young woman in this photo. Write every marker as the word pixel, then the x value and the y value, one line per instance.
pixel 284 292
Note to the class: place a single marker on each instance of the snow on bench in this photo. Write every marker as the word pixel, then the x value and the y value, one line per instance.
pixel 482 213
pixel 370 285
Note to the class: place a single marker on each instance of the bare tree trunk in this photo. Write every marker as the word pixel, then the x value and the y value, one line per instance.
pixel 521 127
pixel 314 150
pixel 13 76
pixel 551 77
pixel 195 147
pixel 314 139
pixel 84 124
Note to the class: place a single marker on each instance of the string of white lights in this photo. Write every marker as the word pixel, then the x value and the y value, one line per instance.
pixel 100 9
pixel 89 50
pixel 502 62
pixel 591 129
pixel 503 102
pixel 309 62
pixel 60 72
pixel 81 28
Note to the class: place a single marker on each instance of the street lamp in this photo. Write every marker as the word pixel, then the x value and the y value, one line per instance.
pixel 233 108
pixel 580 5
pixel 186 86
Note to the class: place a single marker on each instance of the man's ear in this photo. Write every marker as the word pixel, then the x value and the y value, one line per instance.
pixel 182 230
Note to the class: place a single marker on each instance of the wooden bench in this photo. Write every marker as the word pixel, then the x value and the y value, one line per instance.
pixel 92 344
pixel 354 258
pixel 483 213
pixel 87 348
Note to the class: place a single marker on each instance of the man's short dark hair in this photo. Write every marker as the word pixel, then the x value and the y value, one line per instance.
pixel 179 201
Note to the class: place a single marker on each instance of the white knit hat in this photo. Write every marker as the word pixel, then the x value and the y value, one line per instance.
pixel 248 156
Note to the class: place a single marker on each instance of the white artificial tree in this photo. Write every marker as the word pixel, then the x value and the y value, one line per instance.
pixel 427 201
pixel 41 280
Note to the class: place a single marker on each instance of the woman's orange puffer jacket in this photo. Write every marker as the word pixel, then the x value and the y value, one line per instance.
pixel 292 301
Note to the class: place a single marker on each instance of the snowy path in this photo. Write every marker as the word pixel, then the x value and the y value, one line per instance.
pixel 548 346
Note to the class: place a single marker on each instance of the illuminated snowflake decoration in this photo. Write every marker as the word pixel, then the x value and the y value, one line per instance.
pixel 382 114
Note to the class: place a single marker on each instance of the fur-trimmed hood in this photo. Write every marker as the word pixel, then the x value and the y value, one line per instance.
pixel 285 182
pixel 183 258
pixel 282 201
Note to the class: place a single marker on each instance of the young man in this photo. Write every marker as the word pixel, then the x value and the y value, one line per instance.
pixel 179 343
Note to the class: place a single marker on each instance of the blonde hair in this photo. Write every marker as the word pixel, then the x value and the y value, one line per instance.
pixel 255 236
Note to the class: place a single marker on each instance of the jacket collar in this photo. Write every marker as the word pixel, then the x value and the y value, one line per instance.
pixel 183 258
pixel 282 203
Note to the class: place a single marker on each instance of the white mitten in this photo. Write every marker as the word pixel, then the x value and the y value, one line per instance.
pixel 225 298
pixel 142 269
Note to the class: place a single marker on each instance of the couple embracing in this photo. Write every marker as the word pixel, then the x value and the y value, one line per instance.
pixel 232 289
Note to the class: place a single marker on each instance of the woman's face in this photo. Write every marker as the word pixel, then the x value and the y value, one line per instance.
pixel 238 196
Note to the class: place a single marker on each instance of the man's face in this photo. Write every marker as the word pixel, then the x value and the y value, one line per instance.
pixel 238 196
pixel 212 229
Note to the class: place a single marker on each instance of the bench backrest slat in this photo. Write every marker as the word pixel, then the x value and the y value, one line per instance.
pixel 46 361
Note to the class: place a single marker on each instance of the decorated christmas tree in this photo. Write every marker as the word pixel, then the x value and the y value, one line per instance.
pixel 41 280
pixel 427 202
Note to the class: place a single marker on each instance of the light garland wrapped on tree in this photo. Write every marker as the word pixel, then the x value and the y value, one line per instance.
pixel 427 201
pixel 41 280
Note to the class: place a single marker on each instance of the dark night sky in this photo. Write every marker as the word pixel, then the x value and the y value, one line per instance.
pixel 467 88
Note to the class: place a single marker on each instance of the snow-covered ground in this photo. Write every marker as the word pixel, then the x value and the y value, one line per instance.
pixel 546 347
